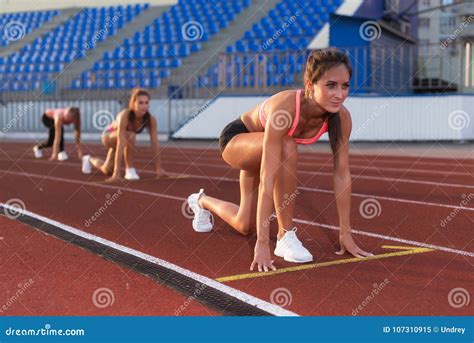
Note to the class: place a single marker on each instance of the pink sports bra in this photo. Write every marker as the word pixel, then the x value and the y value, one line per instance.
pixel 324 128
pixel 112 127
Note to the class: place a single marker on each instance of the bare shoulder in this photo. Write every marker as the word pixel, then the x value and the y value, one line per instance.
pixel 122 118
pixel 284 100
pixel 123 114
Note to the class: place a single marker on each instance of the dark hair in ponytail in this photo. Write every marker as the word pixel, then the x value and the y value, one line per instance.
pixel 319 61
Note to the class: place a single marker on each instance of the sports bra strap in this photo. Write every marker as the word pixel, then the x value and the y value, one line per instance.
pixel 297 113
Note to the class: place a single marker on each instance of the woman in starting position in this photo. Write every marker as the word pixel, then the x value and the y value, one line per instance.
pixel 55 119
pixel 119 139
pixel 262 143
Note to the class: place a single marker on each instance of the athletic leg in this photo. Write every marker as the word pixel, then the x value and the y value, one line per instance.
pixel 241 217
pixel 284 193
pixel 129 151
pixel 49 123
pixel 106 167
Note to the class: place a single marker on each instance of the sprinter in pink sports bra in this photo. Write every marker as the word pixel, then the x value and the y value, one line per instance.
pixel 55 119
pixel 324 127
pixel 262 143
pixel 119 138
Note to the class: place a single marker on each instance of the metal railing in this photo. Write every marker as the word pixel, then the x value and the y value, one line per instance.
pixel 379 70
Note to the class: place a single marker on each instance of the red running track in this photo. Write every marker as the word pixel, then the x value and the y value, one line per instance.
pixel 412 198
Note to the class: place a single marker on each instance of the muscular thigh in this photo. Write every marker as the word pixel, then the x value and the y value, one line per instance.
pixel 110 139
pixel 244 151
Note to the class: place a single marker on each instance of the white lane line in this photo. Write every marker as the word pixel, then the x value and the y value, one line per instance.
pixel 242 296
pixel 390 238
pixel 360 232
pixel 406 170
pixel 417 202
pixel 421 182
pixel 352 165
pixel 310 189
pixel 366 177
pixel 327 157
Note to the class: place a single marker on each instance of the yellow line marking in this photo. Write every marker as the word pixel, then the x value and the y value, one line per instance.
pixel 405 251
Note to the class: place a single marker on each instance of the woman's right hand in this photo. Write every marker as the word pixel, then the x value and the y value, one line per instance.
pixel 262 258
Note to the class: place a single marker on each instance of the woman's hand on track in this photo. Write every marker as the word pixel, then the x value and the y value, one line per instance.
pixel 114 179
pixel 53 157
pixel 347 243
pixel 161 173
pixel 262 258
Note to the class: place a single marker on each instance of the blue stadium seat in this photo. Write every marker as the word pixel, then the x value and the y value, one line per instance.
pixel 71 40
pixel 160 47
pixel 270 35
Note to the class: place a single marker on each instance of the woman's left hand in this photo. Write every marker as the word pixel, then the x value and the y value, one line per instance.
pixel 347 243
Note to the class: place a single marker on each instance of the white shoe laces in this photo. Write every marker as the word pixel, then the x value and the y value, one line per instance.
pixel 292 239
pixel 203 217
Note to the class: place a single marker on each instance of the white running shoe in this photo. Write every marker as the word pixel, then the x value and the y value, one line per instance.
pixel 291 249
pixel 62 156
pixel 37 151
pixel 131 174
pixel 86 164
pixel 203 220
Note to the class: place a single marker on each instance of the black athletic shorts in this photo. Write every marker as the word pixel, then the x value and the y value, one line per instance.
pixel 232 129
